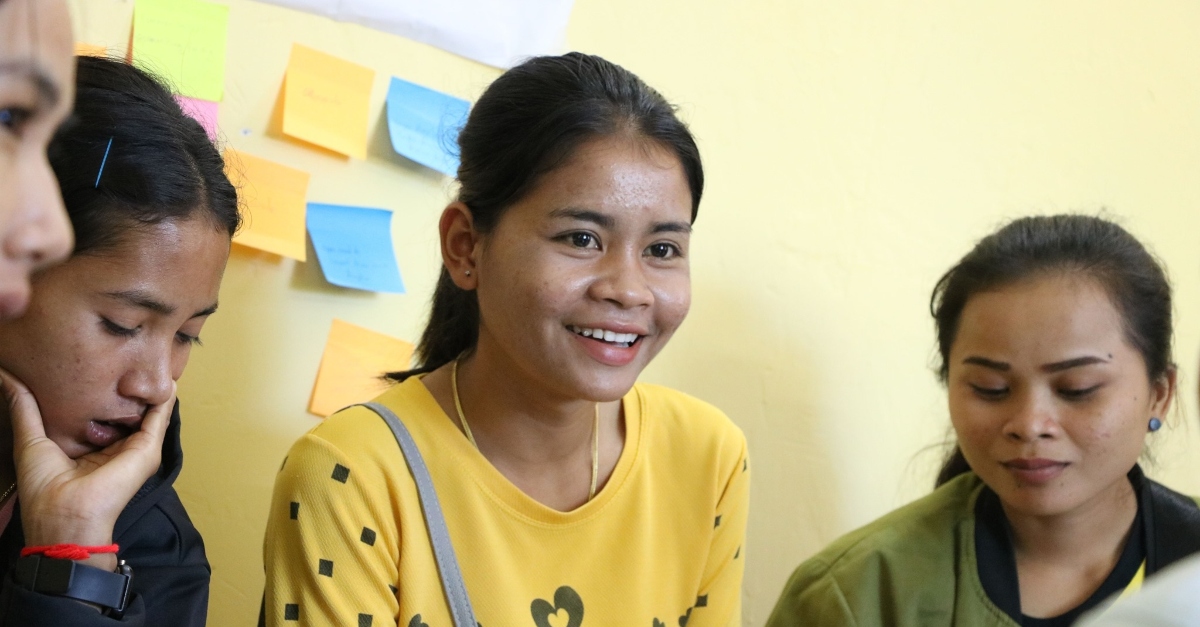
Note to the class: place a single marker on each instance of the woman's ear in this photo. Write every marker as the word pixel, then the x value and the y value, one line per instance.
pixel 1163 392
pixel 459 244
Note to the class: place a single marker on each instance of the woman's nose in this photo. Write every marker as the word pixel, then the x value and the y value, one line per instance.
pixel 39 232
pixel 151 378
pixel 623 281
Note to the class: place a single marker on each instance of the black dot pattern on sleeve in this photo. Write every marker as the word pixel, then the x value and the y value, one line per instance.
pixel 364 620
pixel 340 473
pixel 295 510
pixel 737 553
pixel 702 600
pixel 368 536
pixel 291 611
pixel 717 522
pixel 325 567
pixel 394 589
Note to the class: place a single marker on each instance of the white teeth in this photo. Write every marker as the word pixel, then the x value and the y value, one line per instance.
pixel 607 336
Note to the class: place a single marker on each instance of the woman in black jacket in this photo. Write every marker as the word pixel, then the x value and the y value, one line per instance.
pixel 89 372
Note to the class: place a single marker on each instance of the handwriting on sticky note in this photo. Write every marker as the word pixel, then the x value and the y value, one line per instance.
pixel 326 101
pixel 354 246
pixel 184 42
pixel 202 111
pixel 352 367
pixel 424 124
pixel 273 198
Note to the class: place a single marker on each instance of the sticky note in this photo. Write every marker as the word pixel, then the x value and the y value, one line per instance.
pixel 184 42
pixel 204 112
pixel 90 50
pixel 327 101
pixel 351 368
pixel 354 247
pixel 272 196
pixel 424 124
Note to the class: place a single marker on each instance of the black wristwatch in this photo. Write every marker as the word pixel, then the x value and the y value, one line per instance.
pixel 66 578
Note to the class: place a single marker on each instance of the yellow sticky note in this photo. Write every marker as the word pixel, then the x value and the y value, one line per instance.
pixel 90 50
pixel 326 101
pixel 351 368
pixel 184 42
pixel 272 196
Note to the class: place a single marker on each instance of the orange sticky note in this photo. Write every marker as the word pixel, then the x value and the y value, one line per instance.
pixel 273 197
pixel 350 371
pixel 326 101
pixel 90 50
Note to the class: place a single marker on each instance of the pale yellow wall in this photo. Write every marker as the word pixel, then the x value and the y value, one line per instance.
pixel 854 150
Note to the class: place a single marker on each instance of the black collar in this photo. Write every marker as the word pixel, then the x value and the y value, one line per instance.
pixel 996 562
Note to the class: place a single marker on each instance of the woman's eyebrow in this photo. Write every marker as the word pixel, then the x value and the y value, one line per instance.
pixel 1067 364
pixel 987 363
pixel 585 215
pixel 671 227
pixel 48 92
pixel 138 298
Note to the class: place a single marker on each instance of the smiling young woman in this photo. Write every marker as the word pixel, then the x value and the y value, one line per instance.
pixel 36 90
pixel 89 437
pixel 1055 339
pixel 569 489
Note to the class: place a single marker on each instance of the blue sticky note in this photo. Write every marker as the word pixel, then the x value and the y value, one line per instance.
pixel 424 124
pixel 354 247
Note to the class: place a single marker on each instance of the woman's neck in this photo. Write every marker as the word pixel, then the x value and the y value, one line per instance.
pixel 1062 559
pixel 538 439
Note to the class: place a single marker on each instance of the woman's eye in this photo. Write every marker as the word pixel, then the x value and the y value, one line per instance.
pixel 13 118
pixel 1074 394
pixel 989 393
pixel 117 329
pixel 584 240
pixel 184 338
pixel 663 250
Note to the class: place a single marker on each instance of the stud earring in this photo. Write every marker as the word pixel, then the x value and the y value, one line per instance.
pixel 468 273
pixel 1155 425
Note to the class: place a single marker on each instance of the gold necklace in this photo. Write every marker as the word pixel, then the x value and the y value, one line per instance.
pixel 471 437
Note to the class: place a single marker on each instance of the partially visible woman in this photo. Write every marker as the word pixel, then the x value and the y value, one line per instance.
pixel 1055 339
pixel 572 493
pixel 89 437
pixel 36 90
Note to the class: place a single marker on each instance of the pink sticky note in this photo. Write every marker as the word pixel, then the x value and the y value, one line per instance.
pixel 204 111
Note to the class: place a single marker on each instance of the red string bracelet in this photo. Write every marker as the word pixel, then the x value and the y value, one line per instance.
pixel 67 551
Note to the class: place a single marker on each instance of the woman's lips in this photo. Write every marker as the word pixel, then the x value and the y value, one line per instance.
pixel 103 433
pixel 1035 470
pixel 607 353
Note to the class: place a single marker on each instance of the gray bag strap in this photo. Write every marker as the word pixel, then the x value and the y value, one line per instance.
pixel 439 536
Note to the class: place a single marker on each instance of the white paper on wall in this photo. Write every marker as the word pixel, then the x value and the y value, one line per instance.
pixel 497 32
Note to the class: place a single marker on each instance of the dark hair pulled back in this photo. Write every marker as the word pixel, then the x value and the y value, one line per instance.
pixel 528 122
pixel 161 164
pixel 1088 246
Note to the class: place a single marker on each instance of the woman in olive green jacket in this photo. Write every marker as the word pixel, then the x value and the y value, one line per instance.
pixel 1055 339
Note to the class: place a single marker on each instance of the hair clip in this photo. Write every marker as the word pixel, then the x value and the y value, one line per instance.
pixel 102 162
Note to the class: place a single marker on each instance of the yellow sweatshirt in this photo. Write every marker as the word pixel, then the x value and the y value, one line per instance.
pixel 659 545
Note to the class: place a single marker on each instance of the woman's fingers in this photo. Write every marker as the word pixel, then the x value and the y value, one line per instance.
pixel 23 411
pixel 132 460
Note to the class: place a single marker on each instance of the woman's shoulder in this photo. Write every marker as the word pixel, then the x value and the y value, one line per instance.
pixel 685 415
pixel 358 434
pixel 922 531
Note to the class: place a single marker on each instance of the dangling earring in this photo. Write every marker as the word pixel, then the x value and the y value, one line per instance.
pixel 1155 424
